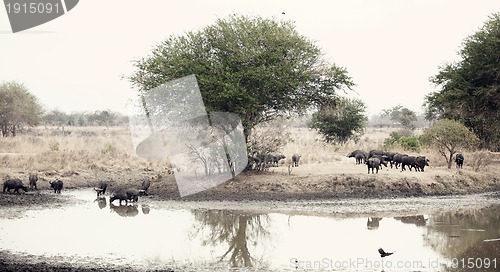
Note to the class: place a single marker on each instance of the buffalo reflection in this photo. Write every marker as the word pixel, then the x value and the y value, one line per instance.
pixel 101 202
pixel 145 209
pixel 125 210
pixel 236 228
pixel 373 222
pixel 418 220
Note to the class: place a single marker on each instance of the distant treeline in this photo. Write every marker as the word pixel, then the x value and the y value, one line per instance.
pixel 96 118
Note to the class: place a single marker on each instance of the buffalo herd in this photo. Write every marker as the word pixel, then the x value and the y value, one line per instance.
pixel 16 184
pixel 375 159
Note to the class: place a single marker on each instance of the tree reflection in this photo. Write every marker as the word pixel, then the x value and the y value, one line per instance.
pixel 237 229
pixel 461 234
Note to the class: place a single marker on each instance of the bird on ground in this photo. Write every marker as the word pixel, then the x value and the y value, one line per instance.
pixel 383 253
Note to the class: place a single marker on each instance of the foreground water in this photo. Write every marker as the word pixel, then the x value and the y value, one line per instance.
pixel 337 235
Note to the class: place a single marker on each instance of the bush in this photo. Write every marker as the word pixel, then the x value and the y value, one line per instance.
pixel 409 143
pixel 395 136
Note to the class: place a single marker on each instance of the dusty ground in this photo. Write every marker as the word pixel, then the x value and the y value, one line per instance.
pixel 338 179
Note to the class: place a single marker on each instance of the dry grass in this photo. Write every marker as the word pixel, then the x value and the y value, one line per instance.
pixel 90 150
pixel 85 155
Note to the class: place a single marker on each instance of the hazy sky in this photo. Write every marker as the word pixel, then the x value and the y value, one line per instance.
pixel 390 48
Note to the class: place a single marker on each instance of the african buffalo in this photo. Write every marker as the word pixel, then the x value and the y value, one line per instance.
pixel 33 178
pixel 360 156
pixel 101 188
pixel 459 160
pixel 397 159
pixel 15 184
pixel 57 185
pixel 408 161
pixel 373 163
pixel 296 159
pixel 144 187
pixel 383 160
pixel 375 152
pixel 127 195
pixel 420 163
pixel 389 157
pixel 275 159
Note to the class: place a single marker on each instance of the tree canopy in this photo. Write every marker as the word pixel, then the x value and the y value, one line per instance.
pixel 402 115
pixel 470 88
pixel 17 107
pixel 342 121
pixel 258 68
pixel 449 137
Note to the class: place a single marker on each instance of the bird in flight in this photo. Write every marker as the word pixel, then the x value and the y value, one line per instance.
pixel 383 253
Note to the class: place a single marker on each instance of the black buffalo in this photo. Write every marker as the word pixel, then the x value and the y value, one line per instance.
pixel 275 159
pixel 389 157
pixel 360 156
pixel 144 187
pixel 373 163
pixel 375 152
pixel 459 160
pixel 383 160
pixel 33 178
pixel 408 161
pixel 397 159
pixel 101 188
pixel 295 160
pixel 57 185
pixel 15 184
pixel 420 163
pixel 126 195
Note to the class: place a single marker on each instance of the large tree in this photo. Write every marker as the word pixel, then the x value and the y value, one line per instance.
pixel 449 137
pixel 17 107
pixel 257 68
pixel 470 88
pixel 341 121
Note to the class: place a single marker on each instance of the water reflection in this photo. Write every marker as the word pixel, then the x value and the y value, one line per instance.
pixel 180 234
pixel 145 209
pixel 418 220
pixel 101 202
pixel 127 210
pixel 461 235
pixel 373 222
pixel 236 229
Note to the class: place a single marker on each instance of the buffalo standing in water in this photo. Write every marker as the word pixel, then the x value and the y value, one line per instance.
pixel 101 188
pixel 15 184
pixel 57 185
pixel 125 195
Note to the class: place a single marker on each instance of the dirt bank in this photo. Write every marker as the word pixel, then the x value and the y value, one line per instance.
pixel 342 179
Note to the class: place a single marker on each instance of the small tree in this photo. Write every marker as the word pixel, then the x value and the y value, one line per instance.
pixel 342 121
pixel 17 107
pixel 449 136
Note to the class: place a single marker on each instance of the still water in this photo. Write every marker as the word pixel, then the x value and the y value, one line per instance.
pixel 153 234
